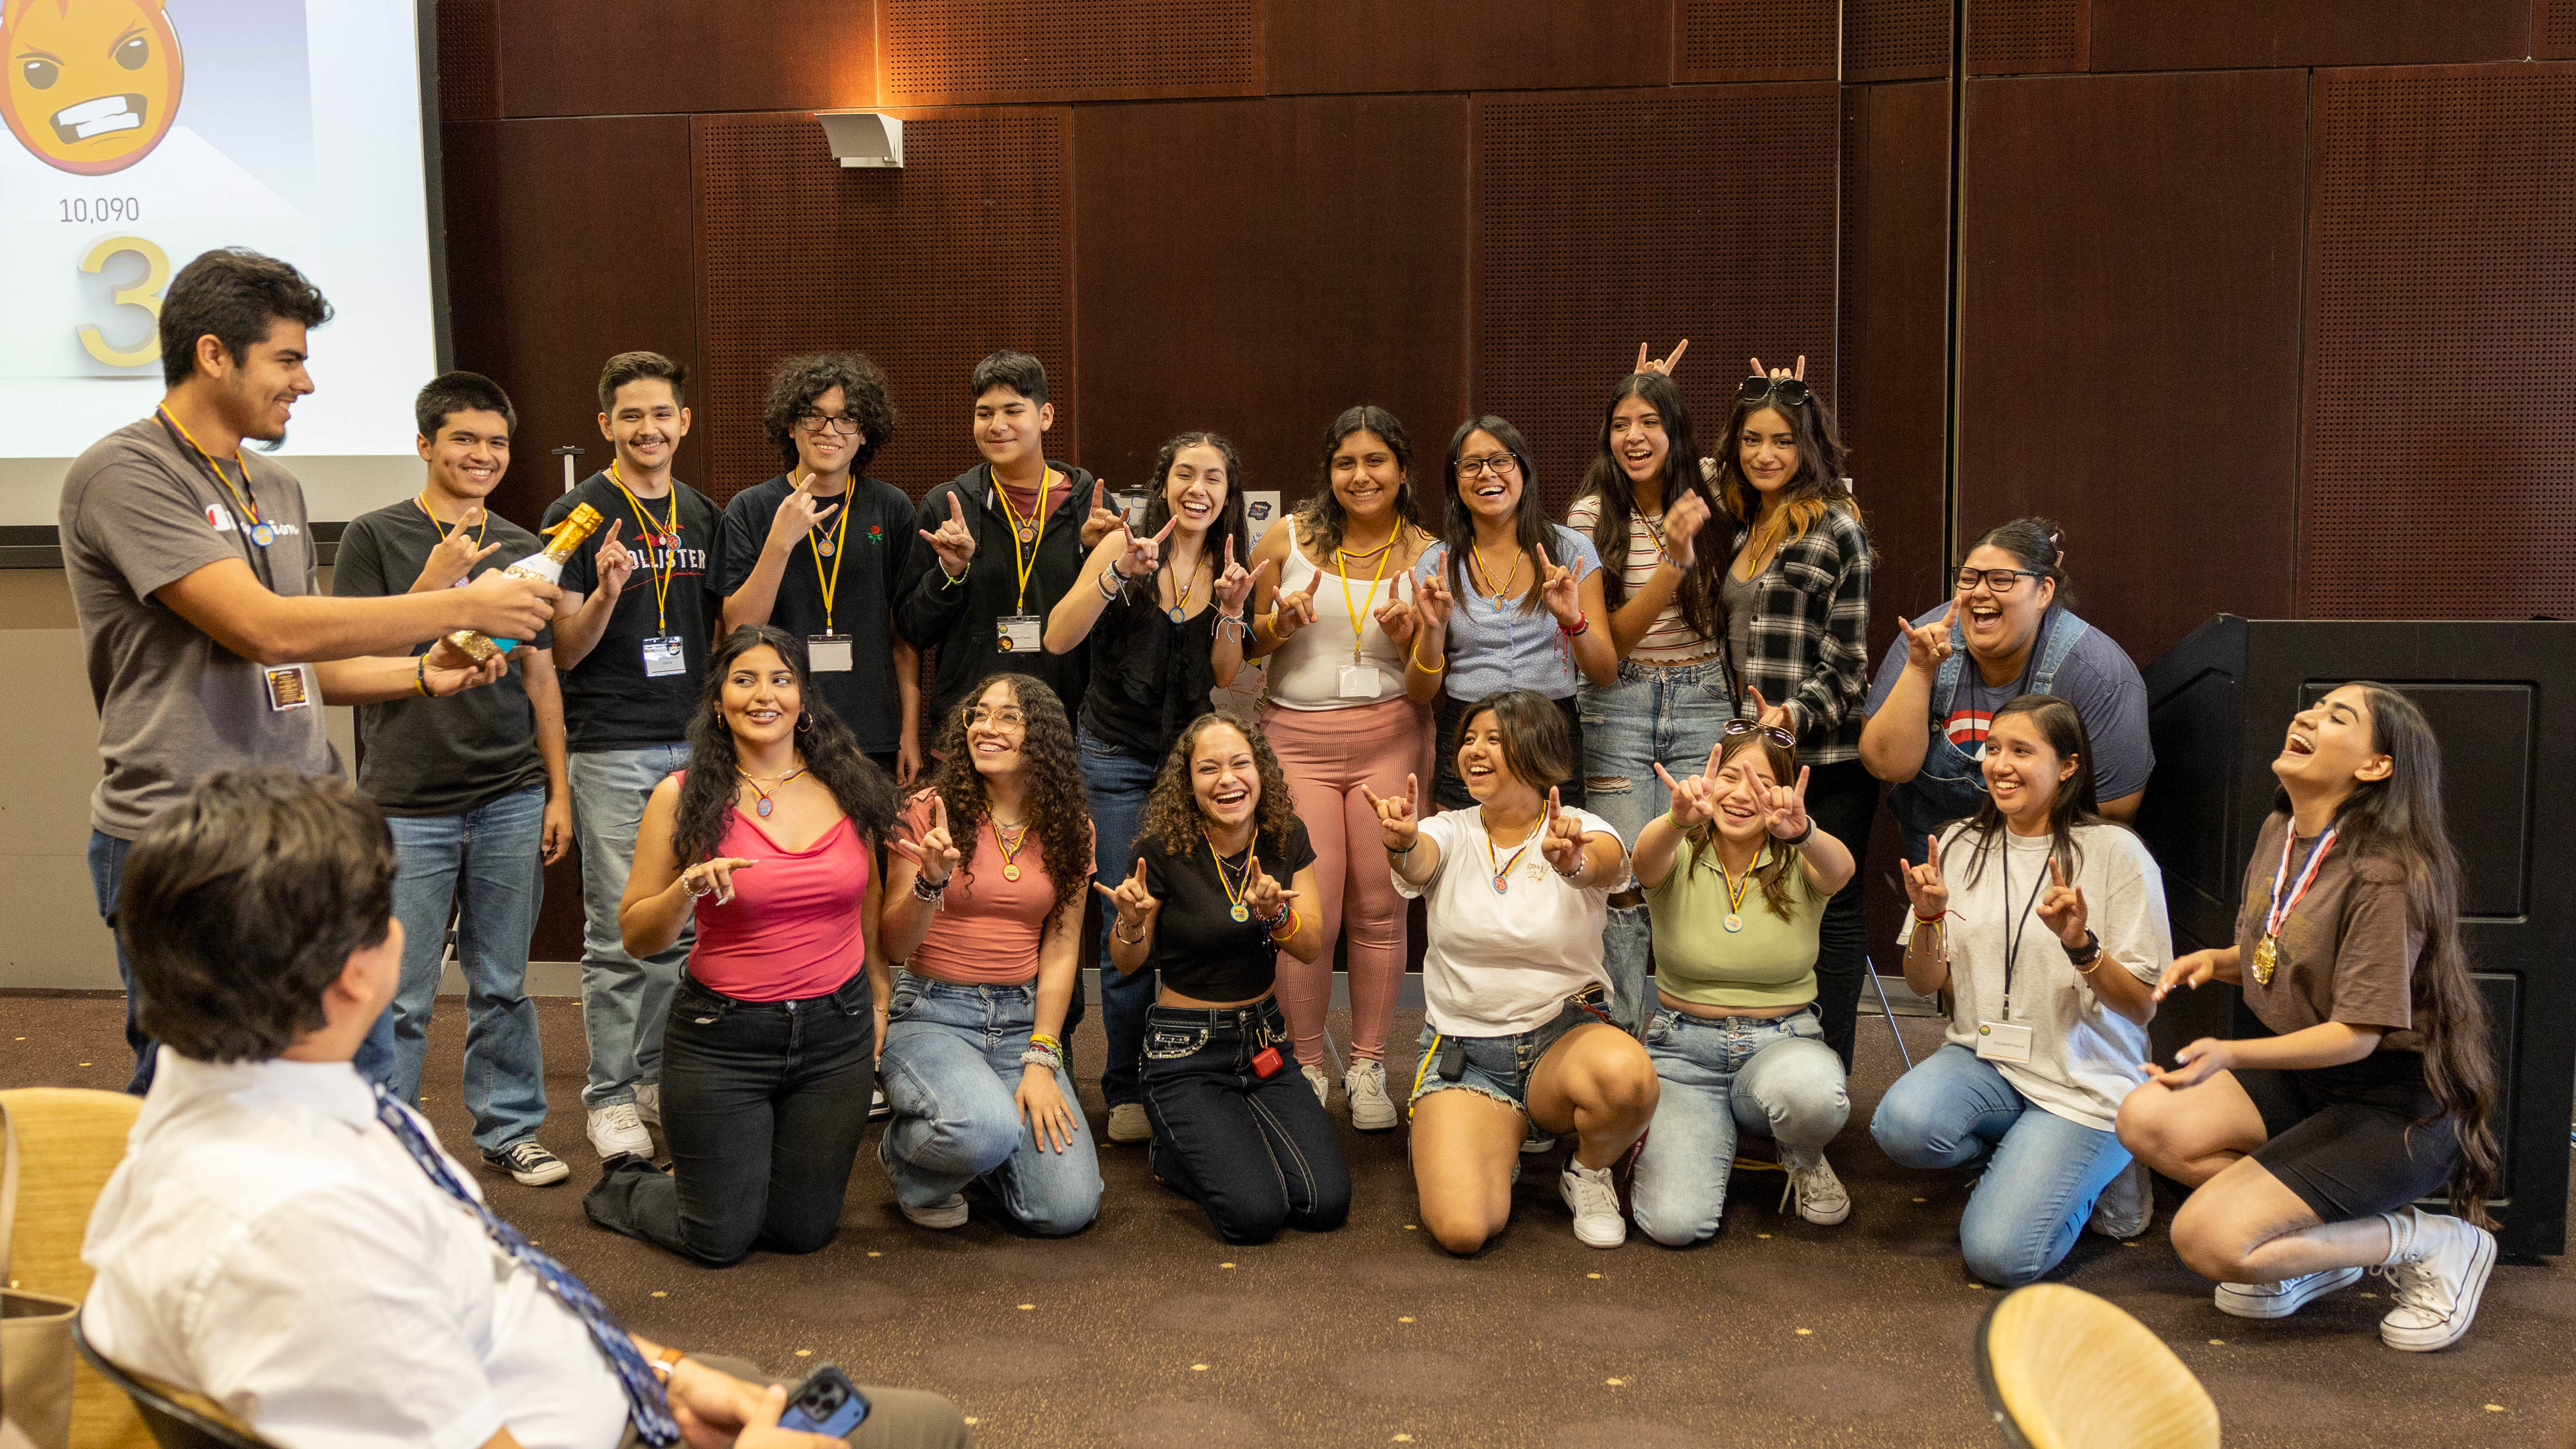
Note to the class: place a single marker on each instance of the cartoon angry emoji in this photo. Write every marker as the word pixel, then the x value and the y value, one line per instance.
pixel 93 84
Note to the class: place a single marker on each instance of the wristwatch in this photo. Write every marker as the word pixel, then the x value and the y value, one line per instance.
pixel 2086 954
pixel 665 1362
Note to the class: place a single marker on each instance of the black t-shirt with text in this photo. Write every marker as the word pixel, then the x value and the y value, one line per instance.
pixel 429 757
pixel 1199 948
pixel 869 534
pixel 609 701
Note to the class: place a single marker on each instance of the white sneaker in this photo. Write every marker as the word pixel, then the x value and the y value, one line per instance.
pixel 1372 1110
pixel 1127 1123
pixel 1595 1201
pixel 1534 1142
pixel 616 1131
pixel 2127 1205
pixel 2280 1300
pixel 948 1212
pixel 529 1164
pixel 1322 1082
pixel 648 1103
pixel 879 1108
pixel 2440 1270
pixel 1820 1195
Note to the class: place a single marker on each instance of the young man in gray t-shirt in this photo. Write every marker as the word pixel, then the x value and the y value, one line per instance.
pixel 192 568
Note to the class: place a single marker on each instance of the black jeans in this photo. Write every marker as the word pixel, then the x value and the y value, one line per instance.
pixel 1843 799
pixel 763 1105
pixel 1257 1152
pixel 1449 789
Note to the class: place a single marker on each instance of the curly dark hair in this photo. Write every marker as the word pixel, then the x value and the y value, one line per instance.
pixel 831 752
pixel 1056 804
pixel 795 384
pixel 1172 809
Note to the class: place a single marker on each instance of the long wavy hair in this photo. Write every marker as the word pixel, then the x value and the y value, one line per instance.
pixel 1817 486
pixel 1172 807
pixel 1608 482
pixel 1774 877
pixel 831 753
pixel 1053 800
pixel 1458 525
pixel 1321 518
pixel 1229 524
pixel 2075 802
pixel 2400 819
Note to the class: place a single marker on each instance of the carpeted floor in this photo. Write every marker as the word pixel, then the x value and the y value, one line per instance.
pixel 1146 1332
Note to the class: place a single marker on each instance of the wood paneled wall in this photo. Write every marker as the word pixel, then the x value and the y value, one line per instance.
pixel 2229 287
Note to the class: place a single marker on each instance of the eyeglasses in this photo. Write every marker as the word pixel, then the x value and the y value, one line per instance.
pixel 1737 728
pixel 1762 389
pixel 841 423
pixel 1998 581
pixel 1498 464
pixel 1006 717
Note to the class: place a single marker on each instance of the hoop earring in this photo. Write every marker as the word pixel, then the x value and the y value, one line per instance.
pixel 804 722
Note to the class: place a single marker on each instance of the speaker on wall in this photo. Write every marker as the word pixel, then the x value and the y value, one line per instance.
pixel 2494 691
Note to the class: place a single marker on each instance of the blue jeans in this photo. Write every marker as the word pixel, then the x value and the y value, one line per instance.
pixel 1117 783
pixel 2041 1171
pixel 107 882
pixel 623 1000
pixel 1256 1152
pixel 1723 1075
pixel 1669 716
pixel 488 863
pixel 950 1071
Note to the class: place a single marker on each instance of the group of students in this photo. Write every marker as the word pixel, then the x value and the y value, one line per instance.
pixel 1648 731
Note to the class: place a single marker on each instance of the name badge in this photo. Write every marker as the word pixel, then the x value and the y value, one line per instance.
pixel 664 656
pixel 1019 633
pixel 2003 1041
pixel 1359 681
pixel 287 687
pixel 827 653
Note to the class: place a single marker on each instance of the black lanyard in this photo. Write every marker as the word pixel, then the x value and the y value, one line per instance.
pixel 2013 924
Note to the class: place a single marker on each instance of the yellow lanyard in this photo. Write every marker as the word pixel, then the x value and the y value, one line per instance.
pixel 1342 557
pixel 1735 892
pixel 241 494
pixel 479 529
pixel 837 536
pixel 1235 885
pixel 1024 552
pixel 1485 576
pixel 668 557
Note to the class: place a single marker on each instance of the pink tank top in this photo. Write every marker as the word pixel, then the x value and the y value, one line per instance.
pixel 793 929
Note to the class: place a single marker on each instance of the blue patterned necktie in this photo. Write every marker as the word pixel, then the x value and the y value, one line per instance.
pixel 646 1402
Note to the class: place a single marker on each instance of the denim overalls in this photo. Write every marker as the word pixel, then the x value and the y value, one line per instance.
pixel 1950 786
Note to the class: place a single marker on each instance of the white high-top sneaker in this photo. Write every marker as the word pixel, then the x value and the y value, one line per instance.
pixel 2439 1265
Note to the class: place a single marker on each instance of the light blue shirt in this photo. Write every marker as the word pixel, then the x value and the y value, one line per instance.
pixel 1493 646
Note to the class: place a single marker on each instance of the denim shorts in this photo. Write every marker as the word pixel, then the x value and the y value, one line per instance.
pixel 1498 1066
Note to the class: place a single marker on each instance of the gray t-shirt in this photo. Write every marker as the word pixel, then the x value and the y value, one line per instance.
pixel 141 510
pixel 2097 677
pixel 1739 598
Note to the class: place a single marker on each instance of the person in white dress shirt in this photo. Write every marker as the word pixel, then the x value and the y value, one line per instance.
pixel 278 1237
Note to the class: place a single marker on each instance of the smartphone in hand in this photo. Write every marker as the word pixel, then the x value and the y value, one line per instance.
pixel 826 1403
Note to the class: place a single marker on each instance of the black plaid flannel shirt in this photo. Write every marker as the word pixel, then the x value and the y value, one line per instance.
pixel 1807 646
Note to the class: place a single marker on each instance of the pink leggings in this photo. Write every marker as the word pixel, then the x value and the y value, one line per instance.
pixel 1328 755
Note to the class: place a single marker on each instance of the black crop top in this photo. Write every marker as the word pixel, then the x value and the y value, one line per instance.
pixel 1199 948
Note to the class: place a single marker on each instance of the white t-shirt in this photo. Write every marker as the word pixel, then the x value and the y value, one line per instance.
pixel 269 1244
pixel 2084 1057
pixel 1502 962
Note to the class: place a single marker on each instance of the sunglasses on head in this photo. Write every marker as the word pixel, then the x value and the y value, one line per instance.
pixel 1773 733
pixel 1764 389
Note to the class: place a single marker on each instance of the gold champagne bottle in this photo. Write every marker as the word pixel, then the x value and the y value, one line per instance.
pixel 546 565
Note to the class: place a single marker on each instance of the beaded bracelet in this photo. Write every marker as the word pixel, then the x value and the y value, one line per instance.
pixel 1285 925
pixel 1035 1057
pixel 922 890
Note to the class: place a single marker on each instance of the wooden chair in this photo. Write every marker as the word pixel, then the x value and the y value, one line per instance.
pixel 2063 1369
pixel 69 1140
pixel 177 1418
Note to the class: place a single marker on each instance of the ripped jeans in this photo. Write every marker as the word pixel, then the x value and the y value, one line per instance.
pixel 1668 715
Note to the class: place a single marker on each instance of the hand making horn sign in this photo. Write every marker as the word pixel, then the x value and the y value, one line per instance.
pixel 1563 596
pixel 798 515
pixel 1136 906
pixel 953 541
pixel 1398 826
pixel 935 854
pixel 1235 585
pixel 1784 808
pixel 1294 611
pixel 1560 839
pixel 1648 362
pixel 2061 907
pixel 1694 799
pixel 1102 520
pixel 1264 898
pixel 457 553
pixel 1765 713
pixel 1926 647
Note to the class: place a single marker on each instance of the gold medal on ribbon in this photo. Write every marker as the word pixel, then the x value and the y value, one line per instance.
pixel 2267 958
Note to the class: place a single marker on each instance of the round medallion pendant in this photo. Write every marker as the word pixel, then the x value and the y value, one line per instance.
pixel 1240 912
pixel 1010 872
pixel 763 808
pixel 823 546
pixel 1734 922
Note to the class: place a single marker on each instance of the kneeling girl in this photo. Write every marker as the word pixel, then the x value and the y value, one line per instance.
pixel 984 903
pixel 1736 876
pixel 1517 889
pixel 2049 944
pixel 1209 908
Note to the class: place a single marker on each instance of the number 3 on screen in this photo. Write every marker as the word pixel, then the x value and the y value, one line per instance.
pixel 145 293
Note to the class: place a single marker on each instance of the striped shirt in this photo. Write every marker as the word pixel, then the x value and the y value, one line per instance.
pixel 1670 639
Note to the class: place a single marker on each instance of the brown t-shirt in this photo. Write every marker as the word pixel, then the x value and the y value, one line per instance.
pixel 2347 953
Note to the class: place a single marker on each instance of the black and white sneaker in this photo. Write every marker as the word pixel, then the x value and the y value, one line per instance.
pixel 879 1108
pixel 529 1164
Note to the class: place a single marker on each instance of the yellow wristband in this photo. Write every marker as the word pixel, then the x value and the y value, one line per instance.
pixel 420 676
pixel 1415 655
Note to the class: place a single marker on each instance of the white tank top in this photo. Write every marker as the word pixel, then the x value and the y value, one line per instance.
pixel 1306 672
